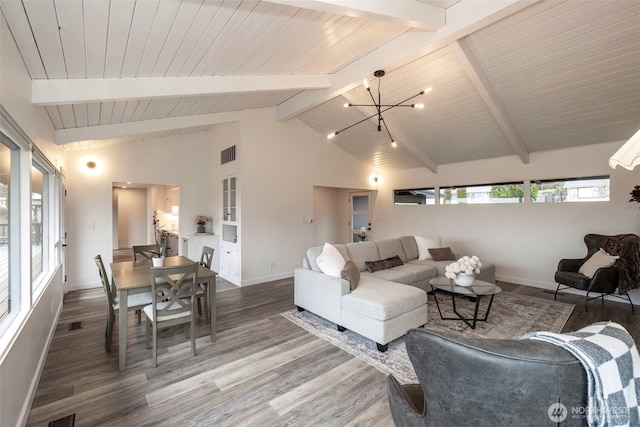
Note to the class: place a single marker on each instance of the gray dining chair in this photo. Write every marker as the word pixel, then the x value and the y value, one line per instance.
pixel 145 251
pixel 206 257
pixel 136 302
pixel 175 287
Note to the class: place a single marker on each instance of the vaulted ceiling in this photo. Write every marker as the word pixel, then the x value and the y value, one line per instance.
pixel 509 77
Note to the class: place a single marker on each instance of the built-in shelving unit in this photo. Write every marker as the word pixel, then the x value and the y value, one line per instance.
pixel 230 243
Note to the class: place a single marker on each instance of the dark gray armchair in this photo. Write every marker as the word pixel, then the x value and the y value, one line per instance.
pixel 488 382
pixel 604 282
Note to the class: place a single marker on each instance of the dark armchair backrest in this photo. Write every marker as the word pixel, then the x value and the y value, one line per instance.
pixel 495 382
pixel 594 242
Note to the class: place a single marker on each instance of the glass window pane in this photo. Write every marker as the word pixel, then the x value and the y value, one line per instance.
pixel 5 173
pixel 415 196
pixel 504 192
pixel 591 189
pixel 37 221
pixel 360 203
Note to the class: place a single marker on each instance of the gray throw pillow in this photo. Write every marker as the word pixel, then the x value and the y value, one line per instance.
pixel 442 254
pixel 383 264
pixel 351 274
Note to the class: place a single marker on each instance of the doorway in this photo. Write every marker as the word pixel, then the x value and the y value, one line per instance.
pixel 360 215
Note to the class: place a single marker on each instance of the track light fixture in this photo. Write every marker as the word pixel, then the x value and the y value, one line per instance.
pixel 380 108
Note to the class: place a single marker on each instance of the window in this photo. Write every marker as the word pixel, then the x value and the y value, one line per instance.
pixel 509 192
pixel 5 175
pixel 37 178
pixel 590 189
pixel 415 196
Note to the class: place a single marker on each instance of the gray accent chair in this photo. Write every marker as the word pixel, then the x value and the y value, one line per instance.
pixel 487 382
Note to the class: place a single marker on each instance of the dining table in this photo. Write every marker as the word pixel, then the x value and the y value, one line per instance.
pixel 130 277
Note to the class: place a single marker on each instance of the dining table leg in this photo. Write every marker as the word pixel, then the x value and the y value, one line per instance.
pixel 211 290
pixel 122 329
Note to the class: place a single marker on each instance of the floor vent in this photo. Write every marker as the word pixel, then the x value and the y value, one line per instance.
pixel 68 421
pixel 228 155
pixel 75 325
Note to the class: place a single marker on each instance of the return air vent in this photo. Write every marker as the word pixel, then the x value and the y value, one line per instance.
pixel 228 155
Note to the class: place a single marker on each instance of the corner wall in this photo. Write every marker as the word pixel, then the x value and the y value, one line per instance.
pixel 525 241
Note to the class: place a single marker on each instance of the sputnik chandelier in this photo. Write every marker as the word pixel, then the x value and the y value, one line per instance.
pixel 380 108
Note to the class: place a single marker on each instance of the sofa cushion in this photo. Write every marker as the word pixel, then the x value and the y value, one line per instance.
pixel 390 248
pixel 381 299
pixel 351 274
pixel 421 272
pixel 487 272
pixel 331 261
pixel 424 243
pixel 442 254
pixel 409 247
pixel 361 252
pixel 314 253
pixel 400 274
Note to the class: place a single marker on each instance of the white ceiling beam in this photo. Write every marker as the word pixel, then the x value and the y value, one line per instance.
pixel 65 136
pixel 463 18
pixel 409 13
pixel 471 66
pixel 76 91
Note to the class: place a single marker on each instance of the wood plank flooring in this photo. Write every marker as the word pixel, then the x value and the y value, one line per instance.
pixel 263 370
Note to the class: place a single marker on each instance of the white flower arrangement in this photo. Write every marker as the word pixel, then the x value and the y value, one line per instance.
pixel 363 233
pixel 465 265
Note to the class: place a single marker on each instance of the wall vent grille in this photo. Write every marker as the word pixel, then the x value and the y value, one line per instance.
pixel 228 155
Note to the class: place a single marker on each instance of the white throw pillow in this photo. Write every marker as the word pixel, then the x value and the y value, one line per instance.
pixel 600 259
pixel 331 261
pixel 424 243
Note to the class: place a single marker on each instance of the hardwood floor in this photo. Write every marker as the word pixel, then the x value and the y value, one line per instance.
pixel 263 369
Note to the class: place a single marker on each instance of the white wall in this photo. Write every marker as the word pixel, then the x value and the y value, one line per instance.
pixel 326 215
pixel 22 357
pixel 524 241
pixel 280 165
pixel 178 160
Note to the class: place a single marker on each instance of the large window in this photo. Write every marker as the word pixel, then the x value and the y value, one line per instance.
pixel 510 192
pixel 591 189
pixel 30 224
pixel 5 175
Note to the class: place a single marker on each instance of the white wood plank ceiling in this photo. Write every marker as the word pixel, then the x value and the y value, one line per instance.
pixel 509 77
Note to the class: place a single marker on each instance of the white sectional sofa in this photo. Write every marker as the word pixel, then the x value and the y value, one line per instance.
pixel 385 303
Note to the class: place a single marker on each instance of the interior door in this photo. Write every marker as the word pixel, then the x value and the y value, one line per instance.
pixel 360 214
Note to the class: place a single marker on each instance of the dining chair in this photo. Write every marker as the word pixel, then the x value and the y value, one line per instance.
pixel 175 287
pixel 201 292
pixel 145 251
pixel 136 302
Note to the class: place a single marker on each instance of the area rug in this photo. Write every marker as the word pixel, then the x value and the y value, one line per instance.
pixel 511 316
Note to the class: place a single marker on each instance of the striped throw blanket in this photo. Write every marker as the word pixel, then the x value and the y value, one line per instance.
pixel 610 358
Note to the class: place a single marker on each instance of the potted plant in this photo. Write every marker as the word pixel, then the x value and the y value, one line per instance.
pixel 201 220
pixel 158 258
pixel 362 235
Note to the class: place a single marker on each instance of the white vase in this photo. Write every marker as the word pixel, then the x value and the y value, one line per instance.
pixel 157 261
pixel 464 279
